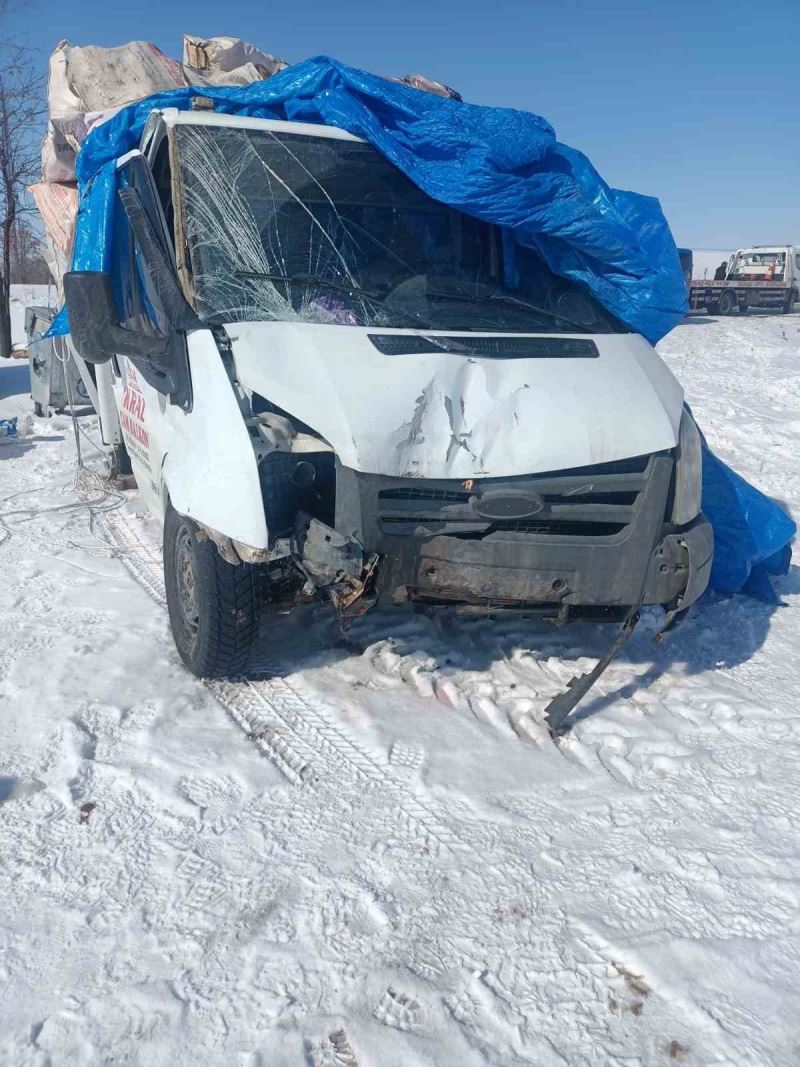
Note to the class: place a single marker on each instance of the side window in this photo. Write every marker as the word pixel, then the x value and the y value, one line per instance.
pixel 797 262
pixel 140 208
pixel 141 304
pixel 162 176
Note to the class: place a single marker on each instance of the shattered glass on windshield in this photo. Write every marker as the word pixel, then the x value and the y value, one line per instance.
pixel 294 227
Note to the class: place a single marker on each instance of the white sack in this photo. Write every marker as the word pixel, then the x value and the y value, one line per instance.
pixel 226 55
pixel 91 78
pixel 58 156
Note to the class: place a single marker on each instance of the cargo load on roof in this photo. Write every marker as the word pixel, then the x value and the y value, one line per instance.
pixel 88 84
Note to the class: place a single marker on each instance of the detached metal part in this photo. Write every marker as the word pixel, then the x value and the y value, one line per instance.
pixel 354 598
pixel 335 564
pixel 688 554
pixel 327 556
pixel 560 707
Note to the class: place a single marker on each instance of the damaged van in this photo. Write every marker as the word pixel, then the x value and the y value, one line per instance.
pixel 330 385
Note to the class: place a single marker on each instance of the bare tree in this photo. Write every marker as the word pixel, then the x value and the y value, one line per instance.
pixel 21 111
pixel 28 264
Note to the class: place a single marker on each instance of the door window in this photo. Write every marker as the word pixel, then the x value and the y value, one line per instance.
pixel 143 305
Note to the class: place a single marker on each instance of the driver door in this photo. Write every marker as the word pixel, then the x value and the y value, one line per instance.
pixel 143 394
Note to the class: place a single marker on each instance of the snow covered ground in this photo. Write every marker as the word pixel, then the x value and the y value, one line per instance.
pixel 370 852
pixel 23 296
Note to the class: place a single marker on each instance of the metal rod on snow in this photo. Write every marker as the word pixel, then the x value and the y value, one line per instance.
pixel 560 706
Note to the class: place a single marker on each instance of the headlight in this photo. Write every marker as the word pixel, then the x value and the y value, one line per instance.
pixel 688 473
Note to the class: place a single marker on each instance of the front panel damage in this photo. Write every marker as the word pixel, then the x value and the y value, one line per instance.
pixel 336 565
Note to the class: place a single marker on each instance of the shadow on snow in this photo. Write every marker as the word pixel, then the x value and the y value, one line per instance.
pixel 720 632
pixel 15 380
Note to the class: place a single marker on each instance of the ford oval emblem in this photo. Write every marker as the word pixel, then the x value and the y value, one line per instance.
pixel 507 504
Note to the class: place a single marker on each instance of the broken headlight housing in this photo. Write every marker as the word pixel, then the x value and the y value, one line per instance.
pixel 686 498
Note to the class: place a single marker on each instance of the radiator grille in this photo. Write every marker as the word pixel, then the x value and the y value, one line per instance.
pixel 594 501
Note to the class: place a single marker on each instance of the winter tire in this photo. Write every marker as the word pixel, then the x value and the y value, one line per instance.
pixel 214 606
pixel 727 302
pixel 120 462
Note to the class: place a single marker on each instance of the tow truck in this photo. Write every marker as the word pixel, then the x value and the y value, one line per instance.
pixel 764 276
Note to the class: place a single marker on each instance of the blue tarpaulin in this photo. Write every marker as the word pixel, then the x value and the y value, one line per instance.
pixel 752 534
pixel 500 165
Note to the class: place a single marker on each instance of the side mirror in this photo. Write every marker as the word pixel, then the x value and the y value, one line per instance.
pixel 94 321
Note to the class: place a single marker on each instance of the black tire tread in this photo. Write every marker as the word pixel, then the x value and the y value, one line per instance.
pixel 726 303
pixel 230 598
pixel 235 610
pixel 121 460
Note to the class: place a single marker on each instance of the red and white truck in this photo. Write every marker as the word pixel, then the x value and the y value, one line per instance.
pixel 765 276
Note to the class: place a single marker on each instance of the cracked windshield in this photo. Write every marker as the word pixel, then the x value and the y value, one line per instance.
pixel 292 227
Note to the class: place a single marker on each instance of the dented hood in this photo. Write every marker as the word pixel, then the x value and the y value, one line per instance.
pixel 449 415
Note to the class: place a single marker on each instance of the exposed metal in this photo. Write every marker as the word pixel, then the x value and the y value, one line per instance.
pixel 54 373
pixel 560 707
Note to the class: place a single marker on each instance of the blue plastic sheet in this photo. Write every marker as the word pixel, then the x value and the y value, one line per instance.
pixel 500 165
pixel 503 166
pixel 752 534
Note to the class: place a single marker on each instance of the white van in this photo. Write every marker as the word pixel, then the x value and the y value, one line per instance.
pixel 330 384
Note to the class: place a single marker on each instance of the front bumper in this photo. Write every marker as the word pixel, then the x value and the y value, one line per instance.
pixel 598 546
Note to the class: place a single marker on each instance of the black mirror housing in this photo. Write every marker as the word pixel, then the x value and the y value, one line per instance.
pixel 94 321
pixel 90 305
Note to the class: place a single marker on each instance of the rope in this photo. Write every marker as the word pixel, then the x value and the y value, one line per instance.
pixel 107 497
pixel 58 344
pixel 95 493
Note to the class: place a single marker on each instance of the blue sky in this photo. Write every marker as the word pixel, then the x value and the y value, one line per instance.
pixel 697 102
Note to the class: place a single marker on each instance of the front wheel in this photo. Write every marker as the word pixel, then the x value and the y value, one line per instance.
pixel 214 606
pixel 120 461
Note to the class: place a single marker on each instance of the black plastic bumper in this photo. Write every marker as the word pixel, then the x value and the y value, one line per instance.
pixel 551 569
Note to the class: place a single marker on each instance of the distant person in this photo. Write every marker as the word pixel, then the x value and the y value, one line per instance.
pixel 721 271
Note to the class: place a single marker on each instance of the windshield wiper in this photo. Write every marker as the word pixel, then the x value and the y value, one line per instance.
pixel 309 279
pixel 506 298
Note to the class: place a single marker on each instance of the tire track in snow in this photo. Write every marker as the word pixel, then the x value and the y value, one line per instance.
pixel 296 733
pixel 299 734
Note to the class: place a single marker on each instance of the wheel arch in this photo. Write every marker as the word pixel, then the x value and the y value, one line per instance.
pixel 210 471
